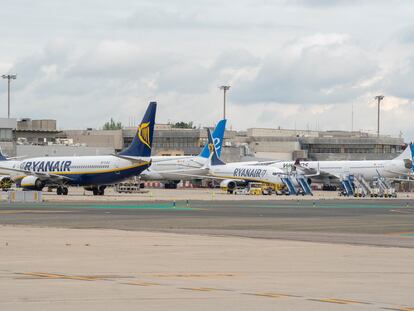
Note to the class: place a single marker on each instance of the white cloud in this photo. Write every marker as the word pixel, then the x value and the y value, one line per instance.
pixel 299 62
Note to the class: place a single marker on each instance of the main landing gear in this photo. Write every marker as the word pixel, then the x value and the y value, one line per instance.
pixel 96 190
pixel 99 190
pixel 61 190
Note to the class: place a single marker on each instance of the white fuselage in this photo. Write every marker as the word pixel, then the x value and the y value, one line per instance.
pixel 80 170
pixel 259 173
pixel 174 168
pixel 368 169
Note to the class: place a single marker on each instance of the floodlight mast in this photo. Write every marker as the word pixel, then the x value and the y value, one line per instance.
pixel 379 98
pixel 225 88
pixel 9 77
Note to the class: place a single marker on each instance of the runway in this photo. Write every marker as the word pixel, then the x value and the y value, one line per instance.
pixel 370 222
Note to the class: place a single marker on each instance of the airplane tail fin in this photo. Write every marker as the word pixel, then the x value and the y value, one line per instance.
pixel 407 156
pixel 407 153
pixel 218 135
pixel 2 157
pixel 142 142
pixel 215 160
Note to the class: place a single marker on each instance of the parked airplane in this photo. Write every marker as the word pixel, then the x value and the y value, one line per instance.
pixel 235 173
pixel 331 172
pixel 94 173
pixel 170 169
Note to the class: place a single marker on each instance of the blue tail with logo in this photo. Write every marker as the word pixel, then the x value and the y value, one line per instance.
pixel 215 160
pixel 142 142
pixel 218 136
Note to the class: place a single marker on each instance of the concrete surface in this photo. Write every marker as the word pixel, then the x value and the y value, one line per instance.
pixel 154 194
pixel 369 222
pixel 111 253
pixel 67 269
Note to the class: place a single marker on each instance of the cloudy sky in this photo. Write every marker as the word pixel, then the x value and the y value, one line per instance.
pixel 290 63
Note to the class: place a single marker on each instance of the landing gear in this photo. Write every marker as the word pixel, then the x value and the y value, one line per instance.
pixel 172 184
pixel 62 190
pixel 329 187
pixel 99 190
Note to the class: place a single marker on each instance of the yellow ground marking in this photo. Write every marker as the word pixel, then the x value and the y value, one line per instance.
pixel 339 301
pixel 406 309
pixel 194 275
pixel 272 295
pixel 142 283
pixel 204 289
pixel 61 276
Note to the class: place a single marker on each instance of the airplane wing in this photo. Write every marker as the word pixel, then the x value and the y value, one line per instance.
pixel 170 159
pixel 136 160
pixel 312 172
pixel 409 175
pixel 253 163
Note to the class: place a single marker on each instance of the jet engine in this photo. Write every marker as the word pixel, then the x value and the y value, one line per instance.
pixel 231 184
pixel 32 183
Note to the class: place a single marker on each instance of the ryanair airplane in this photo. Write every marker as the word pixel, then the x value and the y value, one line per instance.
pixel 94 173
pixel 234 173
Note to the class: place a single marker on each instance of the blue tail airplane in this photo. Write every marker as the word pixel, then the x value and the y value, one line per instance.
pixel 172 169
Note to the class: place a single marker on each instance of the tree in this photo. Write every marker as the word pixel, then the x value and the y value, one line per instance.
pixel 183 125
pixel 112 125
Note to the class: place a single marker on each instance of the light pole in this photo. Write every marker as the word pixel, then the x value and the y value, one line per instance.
pixel 9 77
pixel 225 88
pixel 379 98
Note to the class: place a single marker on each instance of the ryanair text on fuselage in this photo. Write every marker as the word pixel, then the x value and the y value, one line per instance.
pixel 46 166
pixel 249 172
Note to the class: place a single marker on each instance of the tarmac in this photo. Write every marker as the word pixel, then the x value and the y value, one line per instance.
pixel 317 253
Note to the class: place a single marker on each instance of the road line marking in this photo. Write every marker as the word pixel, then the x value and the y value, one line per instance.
pixel 338 301
pixel 271 295
pixel 202 289
pixel 142 283
pixel 194 275
pixel 60 276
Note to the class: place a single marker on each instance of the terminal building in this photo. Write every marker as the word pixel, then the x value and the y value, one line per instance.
pixel 285 144
pixel 29 138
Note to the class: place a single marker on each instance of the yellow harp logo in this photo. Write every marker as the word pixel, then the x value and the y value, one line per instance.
pixel 211 148
pixel 144 134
